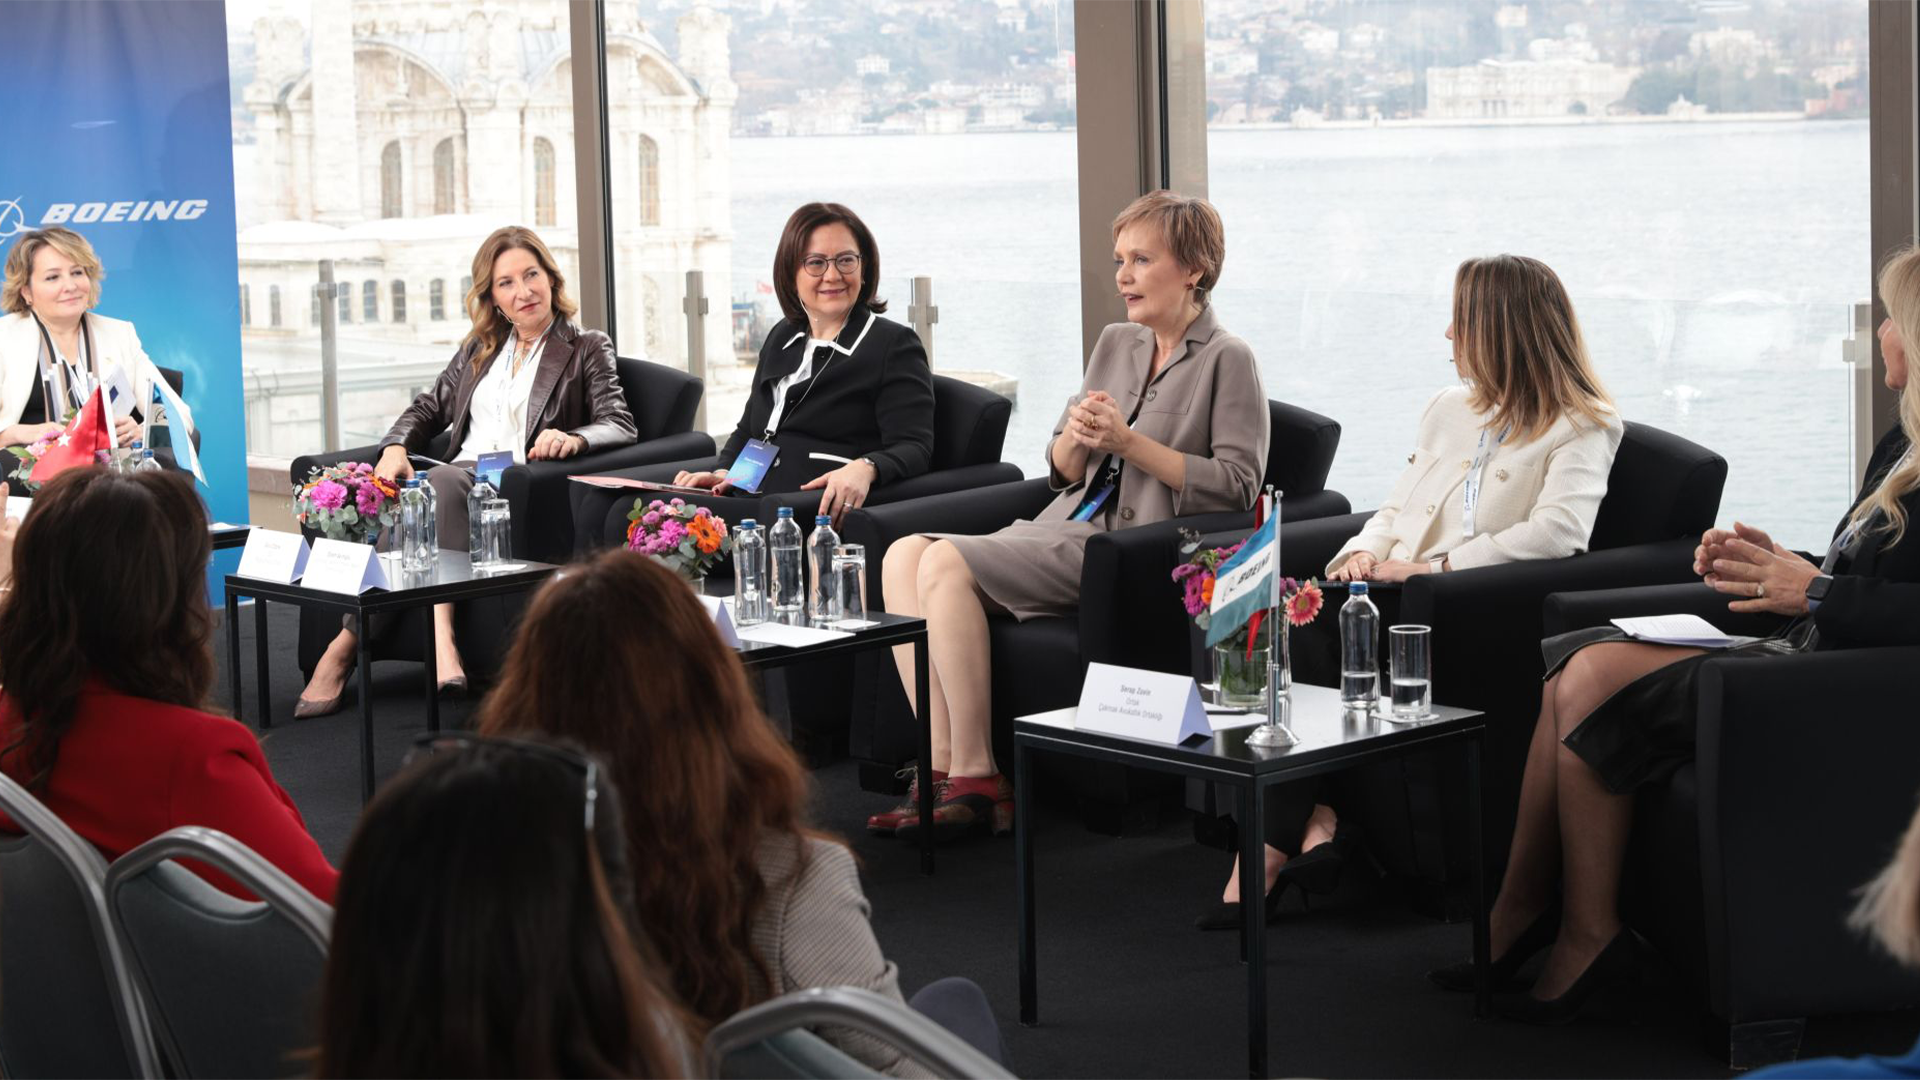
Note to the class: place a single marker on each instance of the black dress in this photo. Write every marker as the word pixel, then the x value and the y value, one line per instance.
pixel 1647 729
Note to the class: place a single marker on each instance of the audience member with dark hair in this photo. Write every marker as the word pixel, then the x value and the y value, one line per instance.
pixel 743 901
pixel 844 395
pixel 482 926
pixel 106 657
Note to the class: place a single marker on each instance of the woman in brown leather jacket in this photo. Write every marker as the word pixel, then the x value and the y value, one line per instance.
pixel 526 381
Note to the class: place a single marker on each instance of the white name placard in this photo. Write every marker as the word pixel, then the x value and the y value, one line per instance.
pixel 344 567
pixel 722 619
pixel 273 556
pixel 1137 704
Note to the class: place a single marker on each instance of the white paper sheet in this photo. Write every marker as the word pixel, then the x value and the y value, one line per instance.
pixel 794 637
pixel 1689 630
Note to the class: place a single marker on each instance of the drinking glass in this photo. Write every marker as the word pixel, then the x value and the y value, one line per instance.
pixel 1411 654
pixel 849 585
pixel 496 535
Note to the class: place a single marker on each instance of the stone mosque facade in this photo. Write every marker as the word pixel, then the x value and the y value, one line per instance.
pixel 391 136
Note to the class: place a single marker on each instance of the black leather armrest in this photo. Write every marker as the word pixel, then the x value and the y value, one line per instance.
pixel 1811 754
pixel 1564 611
pixel 942 481
pixel 1517 589
pixel 973 512
pixel 1306 544
pixel 538 493
pixel 1130 611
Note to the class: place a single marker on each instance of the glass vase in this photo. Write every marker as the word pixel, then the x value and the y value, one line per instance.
pixel 1240 675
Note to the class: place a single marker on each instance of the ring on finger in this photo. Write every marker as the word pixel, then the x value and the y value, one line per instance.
pixel 1760 589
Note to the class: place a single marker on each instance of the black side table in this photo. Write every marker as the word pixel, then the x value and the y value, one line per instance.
pixel 1330 740
pixel 885 632
pixel 453 580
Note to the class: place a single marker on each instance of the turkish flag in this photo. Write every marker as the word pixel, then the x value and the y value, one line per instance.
pixel 87 433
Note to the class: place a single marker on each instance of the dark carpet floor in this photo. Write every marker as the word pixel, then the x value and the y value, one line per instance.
pixel 1126 986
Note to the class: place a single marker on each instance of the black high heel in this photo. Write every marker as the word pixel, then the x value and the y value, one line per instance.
pixel 1615 964
pixel 1225 915
pixel 1317 870
pixel 1501 973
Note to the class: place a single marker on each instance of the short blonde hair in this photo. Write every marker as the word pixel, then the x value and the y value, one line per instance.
pixel 1519 346
pixel 13 298
pixel 1190 227
pixel 1890 905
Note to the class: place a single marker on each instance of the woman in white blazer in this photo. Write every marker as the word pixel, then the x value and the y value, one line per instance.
pixel 1507 467
pixel 50 337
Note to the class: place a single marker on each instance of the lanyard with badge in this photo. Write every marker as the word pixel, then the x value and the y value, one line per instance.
pixel 1109 472
pixel 1471 498
pixel 756 459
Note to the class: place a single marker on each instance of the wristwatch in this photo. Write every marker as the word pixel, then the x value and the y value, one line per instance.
pixel 1817 590
pixel 872 464
pixel 1437 564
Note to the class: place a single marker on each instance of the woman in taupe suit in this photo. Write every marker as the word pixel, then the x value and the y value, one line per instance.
pixel 525 381
pixel 1171 420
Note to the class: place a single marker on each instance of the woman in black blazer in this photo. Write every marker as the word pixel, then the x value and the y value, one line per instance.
pixel 1618 714
pixel 844 395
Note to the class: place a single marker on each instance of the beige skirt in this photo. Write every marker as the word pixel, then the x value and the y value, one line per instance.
pixel 1031 568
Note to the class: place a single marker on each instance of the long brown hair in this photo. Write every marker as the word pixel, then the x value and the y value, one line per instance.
pixel 1520 348
pixel 793 251
pixel 618 655
pixel 109 583
pixel 490 325
pixel 475 931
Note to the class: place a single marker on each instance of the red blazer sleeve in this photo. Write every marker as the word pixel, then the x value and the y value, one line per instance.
pixel 223 783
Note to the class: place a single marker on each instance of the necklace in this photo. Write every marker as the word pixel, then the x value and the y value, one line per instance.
pixel 516 357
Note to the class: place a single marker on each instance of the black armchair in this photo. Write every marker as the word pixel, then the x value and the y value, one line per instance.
pixel 662 401
pixel 1662 493
pixel 1810 754
pixel 969 428
pixel 1130 611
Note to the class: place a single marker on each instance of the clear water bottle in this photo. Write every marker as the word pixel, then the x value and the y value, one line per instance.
pixel 789 564
pixel 749 574
pixel 415 526
pixel 145 462
pixel 1359 650
pixel 477 497
pixel 820 563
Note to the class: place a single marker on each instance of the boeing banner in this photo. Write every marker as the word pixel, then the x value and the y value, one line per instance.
pixel 119 128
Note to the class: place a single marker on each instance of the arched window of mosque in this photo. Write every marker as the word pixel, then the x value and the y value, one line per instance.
pixel 443 177
pixel 543 208
pixel 369 301
pixel 399 290
pixel 437 300
pixel 246 306
pixel 345 303
pixel 390 181
pixel 273 305
pixel 649 181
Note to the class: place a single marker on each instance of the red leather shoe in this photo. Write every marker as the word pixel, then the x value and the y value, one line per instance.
pixel 964 803
pixel 885 822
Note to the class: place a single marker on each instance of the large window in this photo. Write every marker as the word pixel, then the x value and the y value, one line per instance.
pixel 1696 174
pixel 443 181
pixel 388 139
pixel 947 127
pixel 391 205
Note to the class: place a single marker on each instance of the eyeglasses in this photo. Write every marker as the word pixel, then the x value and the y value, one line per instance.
pixel 438 742
pixel 816 265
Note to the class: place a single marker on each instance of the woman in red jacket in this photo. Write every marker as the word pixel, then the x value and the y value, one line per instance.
pixel 106 658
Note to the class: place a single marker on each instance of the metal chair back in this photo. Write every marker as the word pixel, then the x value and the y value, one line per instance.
pixel 69 1004
pixel 231 985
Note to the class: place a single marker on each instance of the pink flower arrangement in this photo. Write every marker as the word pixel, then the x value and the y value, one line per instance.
pixel 688 539
pixel 347 501
pixel 1302 600
pixel 29 457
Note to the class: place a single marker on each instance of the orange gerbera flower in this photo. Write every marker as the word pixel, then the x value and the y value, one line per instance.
pixel 1206 591
pixel 386 487
pixel 706 533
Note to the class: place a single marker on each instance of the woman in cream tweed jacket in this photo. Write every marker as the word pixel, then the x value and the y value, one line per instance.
pixel 1532 413
pixel 1528 442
